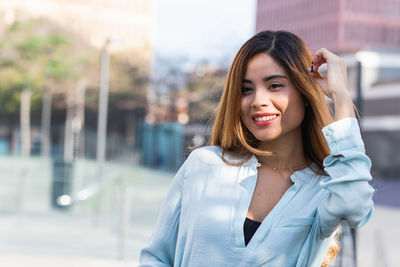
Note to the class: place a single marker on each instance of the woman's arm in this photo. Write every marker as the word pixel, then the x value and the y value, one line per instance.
pixel 161 250
pixel 350 195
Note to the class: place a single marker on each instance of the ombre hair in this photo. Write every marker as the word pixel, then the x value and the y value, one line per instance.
pixel 291 53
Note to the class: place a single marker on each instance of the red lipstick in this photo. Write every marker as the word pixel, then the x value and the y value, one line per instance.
pixel 264 121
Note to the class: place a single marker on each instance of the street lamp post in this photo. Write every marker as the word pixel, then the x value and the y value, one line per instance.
pixel 103 103
pixel 102 121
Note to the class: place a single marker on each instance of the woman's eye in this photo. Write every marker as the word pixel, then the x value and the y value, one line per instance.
pixel 246 90
pixel 275 86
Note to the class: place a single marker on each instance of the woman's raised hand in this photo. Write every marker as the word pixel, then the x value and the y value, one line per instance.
pixel 334 84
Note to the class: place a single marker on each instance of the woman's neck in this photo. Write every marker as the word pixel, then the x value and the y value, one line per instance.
pixel 288 153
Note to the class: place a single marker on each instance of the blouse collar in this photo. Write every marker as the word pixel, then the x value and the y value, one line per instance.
pixel 298 177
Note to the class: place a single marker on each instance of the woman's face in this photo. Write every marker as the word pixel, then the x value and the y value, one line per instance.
pixel 271 107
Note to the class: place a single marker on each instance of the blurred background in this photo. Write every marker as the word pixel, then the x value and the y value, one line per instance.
pixel 101 101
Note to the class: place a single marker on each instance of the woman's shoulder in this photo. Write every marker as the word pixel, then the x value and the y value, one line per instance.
pixel 207 154
pixel 214 155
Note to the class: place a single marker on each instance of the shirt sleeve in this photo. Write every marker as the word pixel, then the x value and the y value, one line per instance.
pixel 161 250
pixel 348 167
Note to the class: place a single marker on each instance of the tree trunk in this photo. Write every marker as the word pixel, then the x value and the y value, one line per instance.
pixel 79 118
pixel 74 121
pixel 68 136
pixel 46 124
pixel 25 122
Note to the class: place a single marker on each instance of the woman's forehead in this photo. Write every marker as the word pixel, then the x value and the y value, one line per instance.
pixel 264 65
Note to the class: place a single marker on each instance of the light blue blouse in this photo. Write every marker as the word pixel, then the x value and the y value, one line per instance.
pixel 201 221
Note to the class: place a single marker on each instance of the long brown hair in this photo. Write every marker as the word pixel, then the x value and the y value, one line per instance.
pixel 288 50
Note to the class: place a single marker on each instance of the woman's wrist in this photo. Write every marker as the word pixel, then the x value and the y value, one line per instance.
pixel 344 107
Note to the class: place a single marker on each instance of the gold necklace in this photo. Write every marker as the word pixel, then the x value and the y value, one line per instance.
pixel 295 168
pixel 299 167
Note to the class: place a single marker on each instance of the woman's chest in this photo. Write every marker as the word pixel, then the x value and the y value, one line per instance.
pixel 214 210
pixel 268 191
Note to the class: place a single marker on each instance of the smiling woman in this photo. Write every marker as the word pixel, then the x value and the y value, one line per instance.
pixel 280 64
pixel 280 170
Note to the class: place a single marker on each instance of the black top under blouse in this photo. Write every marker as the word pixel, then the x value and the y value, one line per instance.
pixel 249 228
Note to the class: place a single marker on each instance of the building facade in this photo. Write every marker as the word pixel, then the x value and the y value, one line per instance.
pixel 339 25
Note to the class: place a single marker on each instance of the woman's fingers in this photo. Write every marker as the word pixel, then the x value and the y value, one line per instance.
pixel 320 57
pixel 336 77
pixel 315 74
pixel 335 84
pixel 323 55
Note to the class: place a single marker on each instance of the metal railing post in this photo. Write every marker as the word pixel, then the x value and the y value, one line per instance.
pixel 124 220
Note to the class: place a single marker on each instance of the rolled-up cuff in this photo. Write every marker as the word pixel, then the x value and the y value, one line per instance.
pixel 342 135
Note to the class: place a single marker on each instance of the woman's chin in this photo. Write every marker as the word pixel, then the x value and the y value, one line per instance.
pixel 266 139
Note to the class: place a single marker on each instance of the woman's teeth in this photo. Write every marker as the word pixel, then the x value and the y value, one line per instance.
pixel 265 118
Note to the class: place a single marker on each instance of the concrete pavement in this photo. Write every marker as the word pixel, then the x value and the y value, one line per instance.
pixel 378 242
pixel 59 239
pixel 85 235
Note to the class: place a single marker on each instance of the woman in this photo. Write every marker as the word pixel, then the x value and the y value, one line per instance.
pixel 280 174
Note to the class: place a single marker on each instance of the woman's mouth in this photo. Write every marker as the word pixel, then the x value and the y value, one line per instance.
pixel 261 120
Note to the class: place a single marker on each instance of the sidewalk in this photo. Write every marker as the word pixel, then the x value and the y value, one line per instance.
pixel 59 239
pixel 18 259
pixel 378 241
pixel 72 239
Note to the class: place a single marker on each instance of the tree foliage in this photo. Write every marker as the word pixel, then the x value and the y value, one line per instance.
pixel 37 54
pixel 33 54
pixel 203 90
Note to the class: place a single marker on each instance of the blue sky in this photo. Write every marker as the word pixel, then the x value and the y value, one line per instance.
pixel 197 29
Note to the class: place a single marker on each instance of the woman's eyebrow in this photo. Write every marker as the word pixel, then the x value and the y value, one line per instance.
pixel 266 79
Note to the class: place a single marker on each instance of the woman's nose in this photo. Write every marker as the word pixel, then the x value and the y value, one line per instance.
pixel 261 98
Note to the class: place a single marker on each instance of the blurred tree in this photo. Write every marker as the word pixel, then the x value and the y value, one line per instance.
pixel 195 101
pixel 35 57
pixel 34 54
pixel 203 90
pixel 200 85
pixel 37 54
